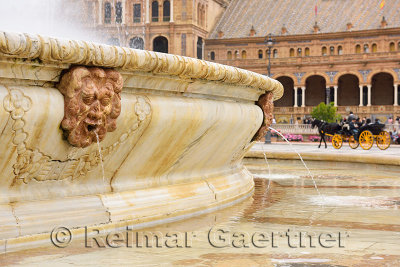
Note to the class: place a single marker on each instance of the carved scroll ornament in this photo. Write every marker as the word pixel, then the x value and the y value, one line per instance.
pixel 92 103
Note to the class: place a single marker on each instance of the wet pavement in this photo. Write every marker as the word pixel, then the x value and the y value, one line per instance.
pixel 354 220
pixel 392 151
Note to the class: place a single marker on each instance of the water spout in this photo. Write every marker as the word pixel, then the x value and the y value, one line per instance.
pixel 101 156
pixel 301 158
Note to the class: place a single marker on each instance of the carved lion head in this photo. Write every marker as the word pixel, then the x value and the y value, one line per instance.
pixel 92 103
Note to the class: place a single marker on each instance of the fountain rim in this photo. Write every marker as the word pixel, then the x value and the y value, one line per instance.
pixel 44 49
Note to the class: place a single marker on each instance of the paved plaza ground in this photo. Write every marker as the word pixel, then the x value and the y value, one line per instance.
pixel 392 151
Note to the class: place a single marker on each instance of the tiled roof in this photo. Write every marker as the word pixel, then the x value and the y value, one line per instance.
pixel 298 16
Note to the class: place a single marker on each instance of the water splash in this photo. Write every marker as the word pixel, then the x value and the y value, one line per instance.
pixel 269 169
pixel 101 156
pixel 301 158
pixel 54 18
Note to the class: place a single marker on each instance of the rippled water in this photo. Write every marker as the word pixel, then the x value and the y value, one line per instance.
pixel 355 222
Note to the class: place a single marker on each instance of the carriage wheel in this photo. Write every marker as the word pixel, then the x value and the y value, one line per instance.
pixel 337 141
pixel 353 143
pixel 383 140
pixel 366 140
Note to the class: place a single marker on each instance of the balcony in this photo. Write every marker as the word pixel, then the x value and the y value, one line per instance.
pixel 344 110
pixel 314 60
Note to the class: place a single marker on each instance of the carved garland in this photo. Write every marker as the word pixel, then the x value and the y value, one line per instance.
pixel 34 165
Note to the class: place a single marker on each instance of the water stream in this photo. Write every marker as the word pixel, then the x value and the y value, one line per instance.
pixel 101 156
pixel 301 158
pixel 269 169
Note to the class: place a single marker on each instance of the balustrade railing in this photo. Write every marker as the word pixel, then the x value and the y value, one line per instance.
pixel 306 128
pixel 295 128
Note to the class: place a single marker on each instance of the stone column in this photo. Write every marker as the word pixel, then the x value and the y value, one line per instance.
pixel 369 95
pixel 147 12
pixel 171 13
pixel 335 100
pixel 295 97
pixel 328 95
pixel 101 12
pixel 361 95
pixel 303 96
pixel 396 97
pixel 123 11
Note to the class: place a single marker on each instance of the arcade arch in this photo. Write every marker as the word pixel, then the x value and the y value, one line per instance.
pixel 348 90
pixel 382 89
pixel 287 99
pixel 315 90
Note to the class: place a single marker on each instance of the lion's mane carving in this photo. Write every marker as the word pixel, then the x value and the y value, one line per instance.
pixel 92 103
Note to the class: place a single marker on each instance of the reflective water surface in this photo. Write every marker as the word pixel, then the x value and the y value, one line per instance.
pixel 355 221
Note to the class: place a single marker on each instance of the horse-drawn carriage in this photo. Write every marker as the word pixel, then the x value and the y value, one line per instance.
pixel 364 137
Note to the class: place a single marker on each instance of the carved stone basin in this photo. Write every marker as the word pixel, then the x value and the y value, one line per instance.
pixel 94 134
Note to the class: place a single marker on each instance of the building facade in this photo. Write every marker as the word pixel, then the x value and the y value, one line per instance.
pixel 323 51
pixel 170 26
pixel 349 54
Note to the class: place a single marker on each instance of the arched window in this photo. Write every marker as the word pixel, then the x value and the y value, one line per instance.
pixel 236 55
pixel 160 44
pixel 260 54
pixel 358 49
pixel 107 12
pixel 244 54
pixel 229 55
pixel 203 16
pixel 391 47
pixel 212 55
pixel 166 11
pixel 118 12
pixel 366 48
pixel 275 53
pixel 200 48
pixel 307 52
pixel 340 50
pixel 331 50
pixel 324 51
pixel 136 43
pixel 183 44
pixel 374 48
pixel 154 11
pixel 198 14
pixel 299 52
pixel 291 52
pixel 136 13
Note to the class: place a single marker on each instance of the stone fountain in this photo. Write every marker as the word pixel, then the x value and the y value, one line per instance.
pixel 93 134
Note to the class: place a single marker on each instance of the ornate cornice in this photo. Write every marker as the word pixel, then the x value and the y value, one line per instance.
pixel 54 50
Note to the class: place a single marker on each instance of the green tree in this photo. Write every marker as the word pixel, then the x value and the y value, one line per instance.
pixel 326 112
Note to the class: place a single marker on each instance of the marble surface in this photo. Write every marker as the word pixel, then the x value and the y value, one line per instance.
pixel 171 153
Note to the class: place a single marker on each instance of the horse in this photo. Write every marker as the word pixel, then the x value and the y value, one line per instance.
pixel 325 128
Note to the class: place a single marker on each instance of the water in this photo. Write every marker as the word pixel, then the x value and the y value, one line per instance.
pixel 370 233
pixel 101 157
pixel 269 169
pixel 301 158
pixel 55 18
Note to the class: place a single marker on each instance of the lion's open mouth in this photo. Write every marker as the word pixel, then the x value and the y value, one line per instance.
pixel 91 127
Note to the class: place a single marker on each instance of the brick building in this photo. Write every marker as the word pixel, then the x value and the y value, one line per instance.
pixel 171 26
pixel 344 51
